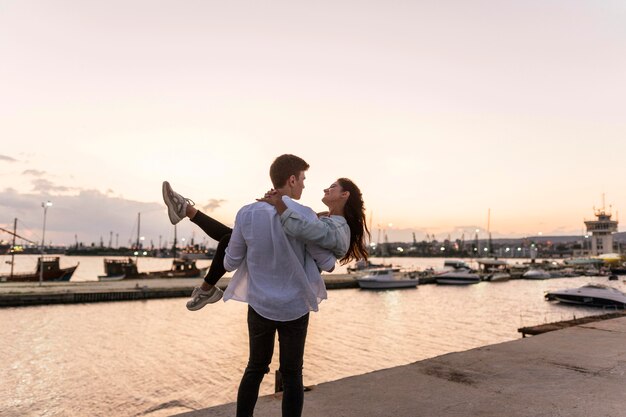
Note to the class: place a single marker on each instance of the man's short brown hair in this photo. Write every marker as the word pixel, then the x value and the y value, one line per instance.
pixel 284 167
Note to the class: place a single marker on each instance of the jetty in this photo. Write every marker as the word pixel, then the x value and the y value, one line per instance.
pixel 22 294
pixel 577 371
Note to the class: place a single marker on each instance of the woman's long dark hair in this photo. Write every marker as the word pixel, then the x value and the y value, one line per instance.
pixel 354 212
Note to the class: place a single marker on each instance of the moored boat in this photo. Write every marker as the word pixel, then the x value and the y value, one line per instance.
pixel 593 295
pixel 536 274
pixel 52 271
pixel 118 269
pixel 386 278
pixel 498 277
pixel 361 266
pixel 459 277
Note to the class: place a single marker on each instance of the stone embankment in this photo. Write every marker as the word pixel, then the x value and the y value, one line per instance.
pixel 574 372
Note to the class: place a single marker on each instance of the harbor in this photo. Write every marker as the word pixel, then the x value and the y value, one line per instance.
pixel 149 347
pixel 453 171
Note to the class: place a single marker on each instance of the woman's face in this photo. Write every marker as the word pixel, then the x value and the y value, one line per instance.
pixel 333 194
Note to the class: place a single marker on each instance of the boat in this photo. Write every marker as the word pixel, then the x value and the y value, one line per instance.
pixel 362 265
pixel 621 270
pixel 5 248
pixel 455 264
pixel 197 253
pixel 593 295
pixel 386 278
pixel 494 270
pixel 458 277
pixel 498 277
pixel 51 272
pixel 118 269
pixel 536 274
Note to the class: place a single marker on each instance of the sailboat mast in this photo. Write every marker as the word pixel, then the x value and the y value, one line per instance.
pixel 13 246
pixel 489 231
pixel 138 228
pixel 174 245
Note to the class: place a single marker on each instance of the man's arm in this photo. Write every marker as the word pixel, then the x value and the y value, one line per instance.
pixel 237 247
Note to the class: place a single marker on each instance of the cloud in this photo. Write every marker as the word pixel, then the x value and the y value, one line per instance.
pixel 7 158
pixel 45 186
pixel 34 173
pixel 87 217
pixel 212 204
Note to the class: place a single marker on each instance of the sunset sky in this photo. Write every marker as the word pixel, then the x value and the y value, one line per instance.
pixel 438 110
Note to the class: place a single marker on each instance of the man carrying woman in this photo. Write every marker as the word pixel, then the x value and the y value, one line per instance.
pixel 277 261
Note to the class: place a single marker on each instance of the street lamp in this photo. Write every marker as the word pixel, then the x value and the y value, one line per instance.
pixel 43 239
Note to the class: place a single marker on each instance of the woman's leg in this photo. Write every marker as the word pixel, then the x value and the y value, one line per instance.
pixel 209 225
pixel 219 232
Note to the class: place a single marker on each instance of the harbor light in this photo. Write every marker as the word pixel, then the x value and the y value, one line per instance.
pixel 400 249
pixel 442 248
pixel 136 253
pixel 145 253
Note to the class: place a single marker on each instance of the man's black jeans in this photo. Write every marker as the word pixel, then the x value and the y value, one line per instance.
pixel 291 339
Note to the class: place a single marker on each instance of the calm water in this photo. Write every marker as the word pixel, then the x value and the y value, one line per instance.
pixel 155 358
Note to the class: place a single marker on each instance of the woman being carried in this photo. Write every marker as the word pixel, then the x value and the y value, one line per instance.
pixel 341 230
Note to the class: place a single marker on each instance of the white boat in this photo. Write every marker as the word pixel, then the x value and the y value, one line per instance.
pixel 498 277
pixel 385 278
pixel 536 274
pixel 455 264
pixel 594 295
pixel 459 277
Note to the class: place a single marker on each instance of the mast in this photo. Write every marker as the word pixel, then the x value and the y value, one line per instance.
pixel 489 230
pixel 174 245
pixel 138 228
pixel 13 246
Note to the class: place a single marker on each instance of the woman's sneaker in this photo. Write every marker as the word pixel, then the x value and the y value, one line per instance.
pixel 200 298
pixel 176 203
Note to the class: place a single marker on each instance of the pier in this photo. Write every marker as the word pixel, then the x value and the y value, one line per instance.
pixel 31 294
pixel 573 372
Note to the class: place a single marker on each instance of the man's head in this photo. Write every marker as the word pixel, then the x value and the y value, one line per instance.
pixel 287 175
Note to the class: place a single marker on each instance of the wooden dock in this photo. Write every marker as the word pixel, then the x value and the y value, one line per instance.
pixel 550 327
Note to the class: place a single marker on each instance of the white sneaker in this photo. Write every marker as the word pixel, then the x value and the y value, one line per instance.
pixel 176 203
pixel 200 298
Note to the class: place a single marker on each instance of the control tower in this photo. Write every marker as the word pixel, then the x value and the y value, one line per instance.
pixel 601 231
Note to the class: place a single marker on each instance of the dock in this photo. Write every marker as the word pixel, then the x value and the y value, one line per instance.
pixel 24 294
pixel 550 327
pixel 576 371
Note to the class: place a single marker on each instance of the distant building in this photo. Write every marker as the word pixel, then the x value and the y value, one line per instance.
pixel 601 231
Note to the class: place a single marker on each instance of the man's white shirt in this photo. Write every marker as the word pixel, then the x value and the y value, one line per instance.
pixel 276 275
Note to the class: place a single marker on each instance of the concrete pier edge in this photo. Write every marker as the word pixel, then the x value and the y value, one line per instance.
pixel 578 371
